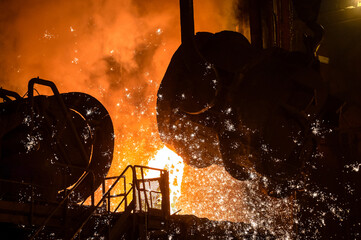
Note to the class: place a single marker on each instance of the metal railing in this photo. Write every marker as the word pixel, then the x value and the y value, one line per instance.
pixel 140 194
pixel 145 191
pixel 131 189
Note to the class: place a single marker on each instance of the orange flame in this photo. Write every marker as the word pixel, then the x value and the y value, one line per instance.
pixel 168 160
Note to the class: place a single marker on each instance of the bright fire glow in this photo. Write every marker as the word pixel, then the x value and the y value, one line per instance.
pixel 168 160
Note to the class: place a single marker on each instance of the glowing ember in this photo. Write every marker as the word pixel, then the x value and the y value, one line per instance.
pixel 167 159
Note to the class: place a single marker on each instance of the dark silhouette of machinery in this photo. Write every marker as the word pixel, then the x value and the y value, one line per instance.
pixel 222 98
pixel 55 153
pixel 53 143
pixel 266 115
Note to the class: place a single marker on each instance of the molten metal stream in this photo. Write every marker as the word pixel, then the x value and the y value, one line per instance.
pixel 167 159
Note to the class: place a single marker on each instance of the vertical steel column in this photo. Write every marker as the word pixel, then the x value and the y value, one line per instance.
pixel 255 19
pixel 125 192
pixel 187 21
pixel 103 194
pixel 165 193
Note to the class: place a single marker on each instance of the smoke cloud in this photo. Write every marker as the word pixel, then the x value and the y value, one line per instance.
pixel 115 50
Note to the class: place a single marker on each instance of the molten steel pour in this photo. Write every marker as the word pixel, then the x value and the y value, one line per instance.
pixel 168 160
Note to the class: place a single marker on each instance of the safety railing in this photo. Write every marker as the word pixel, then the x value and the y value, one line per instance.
pixel 152 191
pixel 106 197
pixel 119 193
pixel 144 189
pixel 132 188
